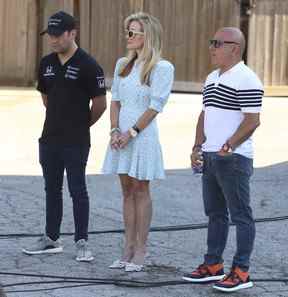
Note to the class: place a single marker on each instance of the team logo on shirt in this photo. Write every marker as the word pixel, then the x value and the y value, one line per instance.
pixel 101 81
pixel 49 71
pixel 72 72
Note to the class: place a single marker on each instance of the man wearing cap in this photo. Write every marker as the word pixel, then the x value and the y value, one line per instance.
pixel 69 79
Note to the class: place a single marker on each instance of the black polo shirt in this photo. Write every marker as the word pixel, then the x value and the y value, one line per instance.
pixel 69 88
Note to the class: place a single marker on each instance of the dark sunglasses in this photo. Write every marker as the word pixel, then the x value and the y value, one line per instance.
pixel 219 43
pixel 132 33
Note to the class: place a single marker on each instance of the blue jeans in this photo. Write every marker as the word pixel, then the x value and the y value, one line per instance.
pixel 226 190
pixel 54 159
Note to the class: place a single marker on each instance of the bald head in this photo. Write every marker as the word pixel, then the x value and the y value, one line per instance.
pixel 235 35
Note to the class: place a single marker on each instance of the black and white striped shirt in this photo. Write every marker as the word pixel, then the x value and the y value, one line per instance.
pixel 225 98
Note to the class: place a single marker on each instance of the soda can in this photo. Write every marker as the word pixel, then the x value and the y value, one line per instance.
pixel 198 169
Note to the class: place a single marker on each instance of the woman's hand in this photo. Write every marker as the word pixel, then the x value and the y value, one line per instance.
pixel 124 138
pixel 114 140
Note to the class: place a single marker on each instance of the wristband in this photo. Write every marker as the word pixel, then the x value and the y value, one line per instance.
pixel 227 147
pixel 136 129
pixel 116 129
pixel 133 133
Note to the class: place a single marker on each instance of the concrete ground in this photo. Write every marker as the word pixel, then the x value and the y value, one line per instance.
pixel 177 201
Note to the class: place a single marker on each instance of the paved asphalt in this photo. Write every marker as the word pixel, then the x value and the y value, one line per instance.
pixel 176 200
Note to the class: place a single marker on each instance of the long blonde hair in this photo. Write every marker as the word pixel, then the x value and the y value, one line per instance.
pixel 152 48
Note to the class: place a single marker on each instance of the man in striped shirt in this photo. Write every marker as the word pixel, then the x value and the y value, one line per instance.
pixel 232 99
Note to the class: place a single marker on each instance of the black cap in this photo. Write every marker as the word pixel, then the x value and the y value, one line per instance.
pixel 58 23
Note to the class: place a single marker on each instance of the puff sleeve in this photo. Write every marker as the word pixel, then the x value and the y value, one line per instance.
pixel 116 79
pixel 162 77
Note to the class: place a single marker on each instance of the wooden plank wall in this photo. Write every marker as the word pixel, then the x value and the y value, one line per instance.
pixel 17 41
pixel 102 30
pixel 268 41
pixel 188 24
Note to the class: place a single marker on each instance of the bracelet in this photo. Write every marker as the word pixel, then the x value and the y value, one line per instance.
pixel 116 129
pixel 230 145
pixel 136 129
pixel 227 147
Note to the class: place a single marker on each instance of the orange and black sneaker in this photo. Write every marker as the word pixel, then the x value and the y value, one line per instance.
pixel 205 273
pixel 234 281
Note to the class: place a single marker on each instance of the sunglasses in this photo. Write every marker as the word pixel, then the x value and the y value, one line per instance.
pixel 132 33
pixel 219 43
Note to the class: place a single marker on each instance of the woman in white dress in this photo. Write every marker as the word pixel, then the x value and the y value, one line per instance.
pixel 141 87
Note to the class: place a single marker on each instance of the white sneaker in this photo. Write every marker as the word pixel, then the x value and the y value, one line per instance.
pixel 83 254
pixel 118 264
pixel 44 245
pixel 131 267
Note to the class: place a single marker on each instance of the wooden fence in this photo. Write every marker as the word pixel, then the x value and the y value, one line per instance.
pixel 268 41
pixel 18 41
pixel 188 24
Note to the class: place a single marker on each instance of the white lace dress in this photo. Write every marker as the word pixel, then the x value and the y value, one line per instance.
pixel 142 157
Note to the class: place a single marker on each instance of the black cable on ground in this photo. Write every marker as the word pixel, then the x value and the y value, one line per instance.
pixel 152 229
pixel 126 284
pixel 112 281
pixel 119 282
pixel 48 289
pixel 107 280
pixel 51 282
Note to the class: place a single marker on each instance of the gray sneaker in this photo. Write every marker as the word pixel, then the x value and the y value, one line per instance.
pixel 83 254
pixel 44 245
